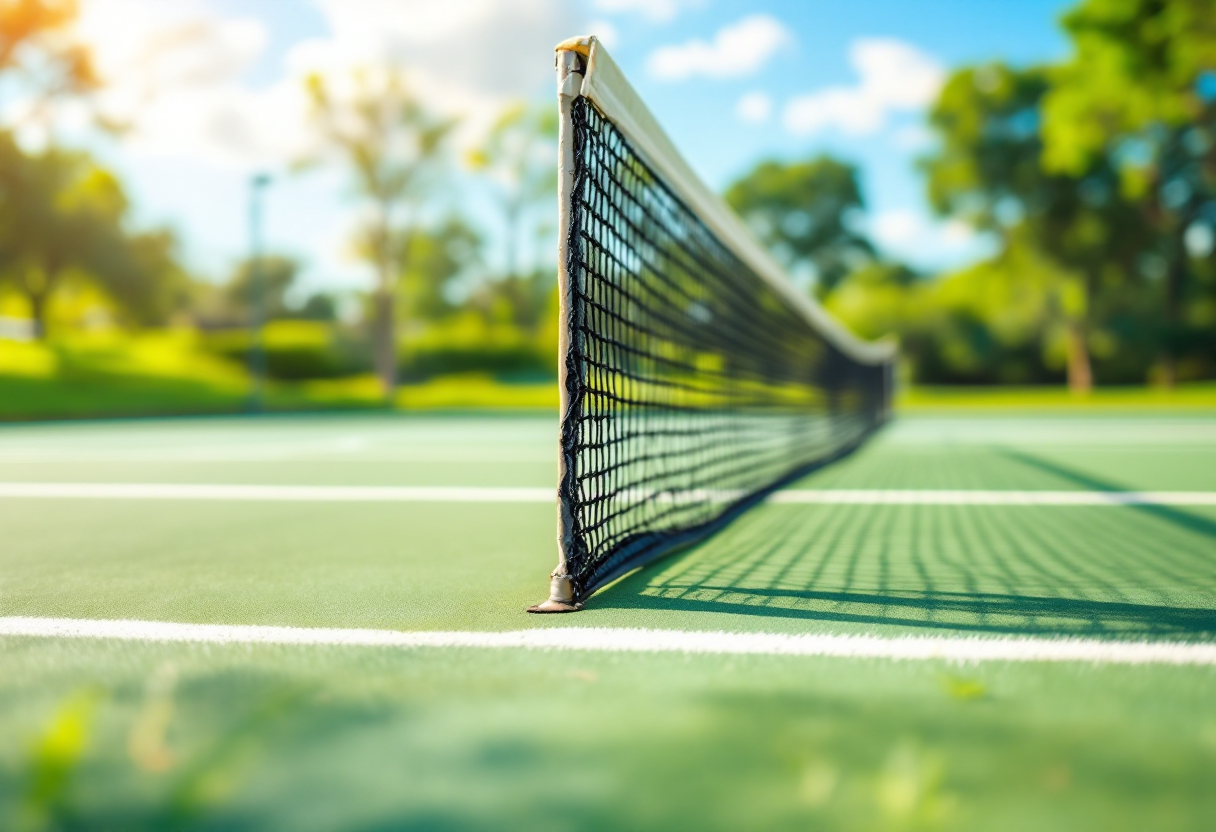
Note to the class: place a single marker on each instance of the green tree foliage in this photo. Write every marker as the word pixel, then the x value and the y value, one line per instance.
pixel 879 299
pixel 517 156
pixel 63 215
pixel 522 301
pixel 277 274
pixel 1097 177
pixel 462 320
pixel 994 322
pixel 987 171
pixel 231 305
pixel 436 262
pixel 376 126
pixel 805 213
pixel 991 323
pixel 1139 95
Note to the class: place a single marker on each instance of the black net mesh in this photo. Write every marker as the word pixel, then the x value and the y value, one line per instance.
pixel 694 388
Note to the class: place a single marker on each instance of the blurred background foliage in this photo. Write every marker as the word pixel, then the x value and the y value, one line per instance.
pixel 1096 178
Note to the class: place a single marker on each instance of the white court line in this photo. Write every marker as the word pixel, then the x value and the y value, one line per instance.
pixel 621 640
pixel 998 498
pixel 38 456
pixel 461 494
pixel 277 493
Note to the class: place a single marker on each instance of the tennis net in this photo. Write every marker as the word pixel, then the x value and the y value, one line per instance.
pixel 695 379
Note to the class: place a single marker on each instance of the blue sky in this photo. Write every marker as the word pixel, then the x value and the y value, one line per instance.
pixel 732 82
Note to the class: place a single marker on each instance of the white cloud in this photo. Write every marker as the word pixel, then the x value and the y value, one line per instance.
pixel 179 73
pixel 913 137
pixel 174 70
pixel 657 10
pixel 915 237
pixel 172 77
pixel 605 32
pixel 484 47
pixel 739 49
pixel 168 45
pixel 897 72
pixel 844 109
pixel 754 108
pixel 893 76
pixel 466 57
pixel 897 228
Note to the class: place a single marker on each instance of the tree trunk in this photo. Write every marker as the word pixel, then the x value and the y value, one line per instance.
pixel 512 241
pixel 38 312
pixel 38 286
pixel 1080 373
pixel 1167 370
pixel 384 315
pixel 1175 276
pixel 385 339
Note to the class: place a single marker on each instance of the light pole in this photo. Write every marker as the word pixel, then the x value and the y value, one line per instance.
pixel 257 290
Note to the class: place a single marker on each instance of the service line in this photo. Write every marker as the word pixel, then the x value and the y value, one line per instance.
pixel 621 640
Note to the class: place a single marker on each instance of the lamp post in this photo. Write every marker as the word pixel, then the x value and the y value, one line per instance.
pixel 257 290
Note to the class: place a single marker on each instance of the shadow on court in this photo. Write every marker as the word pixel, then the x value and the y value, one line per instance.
pixel 1130 572
pixel 1170 514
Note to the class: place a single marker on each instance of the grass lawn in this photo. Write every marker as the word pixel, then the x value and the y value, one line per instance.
pixel 164 374
pixel 98 396
pixel 1193 395
pixel 146 735
pixel 91 394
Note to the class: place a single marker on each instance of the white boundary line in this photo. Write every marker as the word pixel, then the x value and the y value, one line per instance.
pixel 619 640
pixel 458 494
pixel 999 498
pixel 276 493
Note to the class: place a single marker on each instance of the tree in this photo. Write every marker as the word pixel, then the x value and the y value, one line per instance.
pixel 804 212
pixel 1140 96
pixel 987 171
pixel 61 213
pixel 142 273
pixel 39 55
pixel 520 300
pixel 319 306
pixel 877 300
pixel 374 124
pixel 277 273
pixel 518 156
pixel 435 259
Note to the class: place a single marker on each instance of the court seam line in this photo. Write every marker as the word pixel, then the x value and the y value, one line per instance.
pixel 476 494
pixel 626 640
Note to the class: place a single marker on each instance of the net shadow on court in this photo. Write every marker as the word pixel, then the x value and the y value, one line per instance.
pixel 1033 570
pixel 1170 514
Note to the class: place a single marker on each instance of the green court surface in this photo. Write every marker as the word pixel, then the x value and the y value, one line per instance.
pixel 108 734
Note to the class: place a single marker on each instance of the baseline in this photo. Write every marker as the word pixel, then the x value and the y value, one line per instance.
pixel 622 640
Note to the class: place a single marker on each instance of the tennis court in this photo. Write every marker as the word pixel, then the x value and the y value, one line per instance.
pixel 446 525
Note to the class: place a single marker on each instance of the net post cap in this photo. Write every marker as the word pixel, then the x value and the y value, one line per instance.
pixel 580 44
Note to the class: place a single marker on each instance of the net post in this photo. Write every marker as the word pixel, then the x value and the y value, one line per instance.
pixel 571 64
